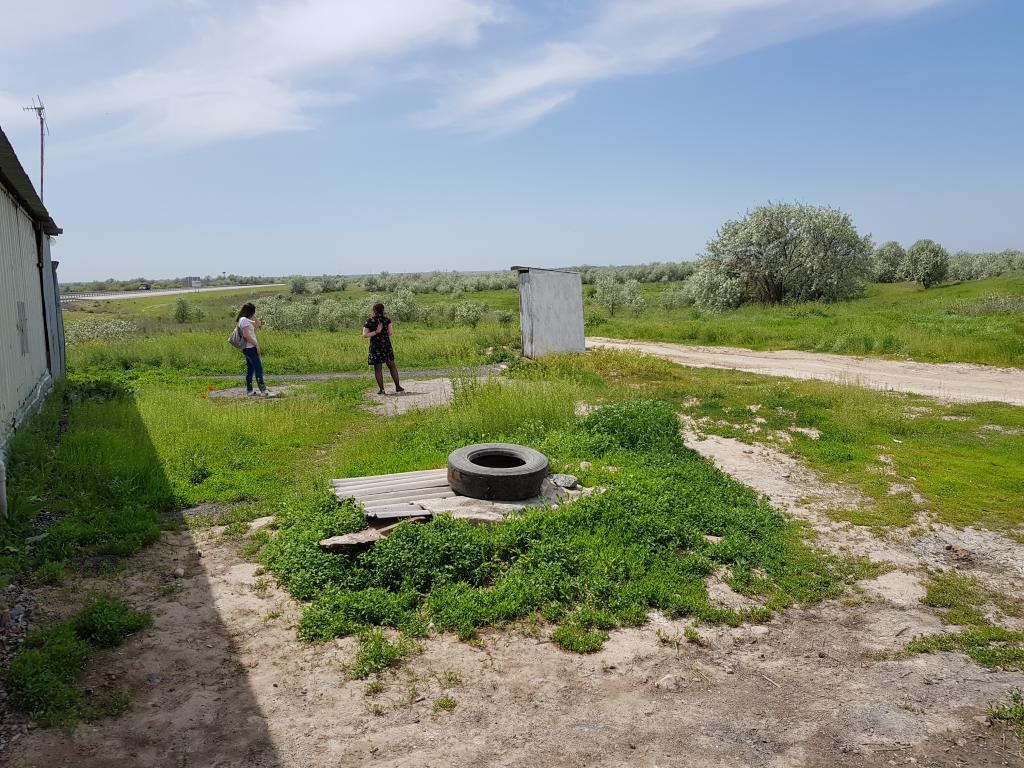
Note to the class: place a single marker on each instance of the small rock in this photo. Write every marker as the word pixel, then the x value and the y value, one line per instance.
pixel 565 481
pixel 961 742
pixel 17 613
pixel 712 539
pixel 671 683
pixel 984 720
pixel 610 468
pixel 260 522
pixel 153 679
pixel 585 465
pixel 178 572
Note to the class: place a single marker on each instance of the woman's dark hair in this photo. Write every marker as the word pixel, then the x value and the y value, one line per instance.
pixel 378 309
pixel 248 310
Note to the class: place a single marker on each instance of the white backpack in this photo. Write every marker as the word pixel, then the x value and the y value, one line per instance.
pixel 236 339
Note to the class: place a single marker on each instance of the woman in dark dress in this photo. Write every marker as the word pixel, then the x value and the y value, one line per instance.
pixel 378 330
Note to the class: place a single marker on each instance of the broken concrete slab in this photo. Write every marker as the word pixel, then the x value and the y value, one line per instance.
pixel 364 538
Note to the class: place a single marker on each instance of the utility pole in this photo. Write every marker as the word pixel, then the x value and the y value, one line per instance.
pixel 44 130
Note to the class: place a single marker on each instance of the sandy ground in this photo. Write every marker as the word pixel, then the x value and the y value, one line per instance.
pixel 952 382
pixel 220 680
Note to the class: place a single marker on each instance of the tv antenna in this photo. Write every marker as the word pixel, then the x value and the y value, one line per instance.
pixel 44 131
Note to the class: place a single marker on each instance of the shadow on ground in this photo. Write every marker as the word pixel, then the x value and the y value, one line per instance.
pixel 192 703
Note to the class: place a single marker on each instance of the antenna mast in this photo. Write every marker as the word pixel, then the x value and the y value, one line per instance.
pixel 44 130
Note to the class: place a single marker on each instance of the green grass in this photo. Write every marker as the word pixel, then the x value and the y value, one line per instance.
pixel 377 652
pixel 942 324
pixel 966 460
pixel 599 563
pixel 207 352
pixel 991 646
pixel 445 704
pixel 102 480
pixel 1012 714
pixel 40 678
pixel 957 322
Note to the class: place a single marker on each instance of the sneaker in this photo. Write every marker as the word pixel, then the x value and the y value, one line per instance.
pixel 268 394
pixel 399 389
pixel 251 393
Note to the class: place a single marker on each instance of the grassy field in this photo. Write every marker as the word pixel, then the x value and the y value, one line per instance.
pixel 950 323
pixel 131 440
pixel 978 322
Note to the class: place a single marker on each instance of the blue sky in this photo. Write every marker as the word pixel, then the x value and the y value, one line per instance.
pixel 288 136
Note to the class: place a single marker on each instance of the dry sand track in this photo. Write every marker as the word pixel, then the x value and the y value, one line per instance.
pixel 951 382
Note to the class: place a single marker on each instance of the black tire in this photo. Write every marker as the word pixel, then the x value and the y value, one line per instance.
pixel 468 477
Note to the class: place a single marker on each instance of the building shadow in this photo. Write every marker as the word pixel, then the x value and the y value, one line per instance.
pixel 192 702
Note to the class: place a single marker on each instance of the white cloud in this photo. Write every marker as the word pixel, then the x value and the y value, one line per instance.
pixel 27 24
pixel 636 37
pixel 249 73
pixel 248 69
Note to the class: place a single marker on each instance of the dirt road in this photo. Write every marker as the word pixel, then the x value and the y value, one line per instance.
pixel 951 382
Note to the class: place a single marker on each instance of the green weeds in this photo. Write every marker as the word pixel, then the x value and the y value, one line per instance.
pixel 445 704
pixel 377 652
pixel 1012 714
pixel 40 677
pixel 599 563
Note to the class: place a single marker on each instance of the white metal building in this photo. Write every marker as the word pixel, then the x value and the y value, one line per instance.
pixel 31 326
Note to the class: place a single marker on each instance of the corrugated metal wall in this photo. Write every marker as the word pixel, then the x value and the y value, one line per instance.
pixel 23 338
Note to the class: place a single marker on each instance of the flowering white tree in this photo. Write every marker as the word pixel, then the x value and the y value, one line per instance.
pixel 926 263
pixel 614 295
pixel 887 262
pixel 782 253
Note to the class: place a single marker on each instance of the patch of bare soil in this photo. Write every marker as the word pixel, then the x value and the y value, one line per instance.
pixel 420 393
pixel 220 680
pixel 953 382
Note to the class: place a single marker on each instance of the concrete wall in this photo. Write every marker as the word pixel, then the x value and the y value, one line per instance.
pixel 550 311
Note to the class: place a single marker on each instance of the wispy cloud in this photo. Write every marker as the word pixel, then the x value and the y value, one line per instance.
pixel 253 70
pixel 640 37
pixel 245 69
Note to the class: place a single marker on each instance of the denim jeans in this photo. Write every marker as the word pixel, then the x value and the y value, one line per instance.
pixel 253 365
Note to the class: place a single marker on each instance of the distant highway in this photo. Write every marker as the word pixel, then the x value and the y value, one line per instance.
pixel 112 295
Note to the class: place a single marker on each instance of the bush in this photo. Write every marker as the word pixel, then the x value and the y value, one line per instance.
pixel 185 312
pixel 81 331
pixel 675 298
pixel 980 266
pixel 402 306
pixel 613 295
pixel 468 313
pixel 298 285
pixel 641 425
pixel 887 262
pixel 505 317
pixel 782 253
pixel 926 263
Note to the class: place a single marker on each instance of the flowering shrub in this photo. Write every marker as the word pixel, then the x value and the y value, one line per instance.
pixel 926 263
pixel 782 253
pixel 887 262
pixel 91 329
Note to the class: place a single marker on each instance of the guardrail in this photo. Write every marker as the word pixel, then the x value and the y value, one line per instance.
pixel 136 293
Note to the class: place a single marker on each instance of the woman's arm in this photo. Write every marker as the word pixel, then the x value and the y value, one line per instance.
pixel 390 330
pixel 367 333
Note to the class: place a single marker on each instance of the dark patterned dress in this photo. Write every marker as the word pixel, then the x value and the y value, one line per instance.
pixel 380 345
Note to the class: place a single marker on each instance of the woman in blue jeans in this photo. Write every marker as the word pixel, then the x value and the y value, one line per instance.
pixel 247 325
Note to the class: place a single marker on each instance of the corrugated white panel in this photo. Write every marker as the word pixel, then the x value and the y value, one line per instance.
pixel 22 366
